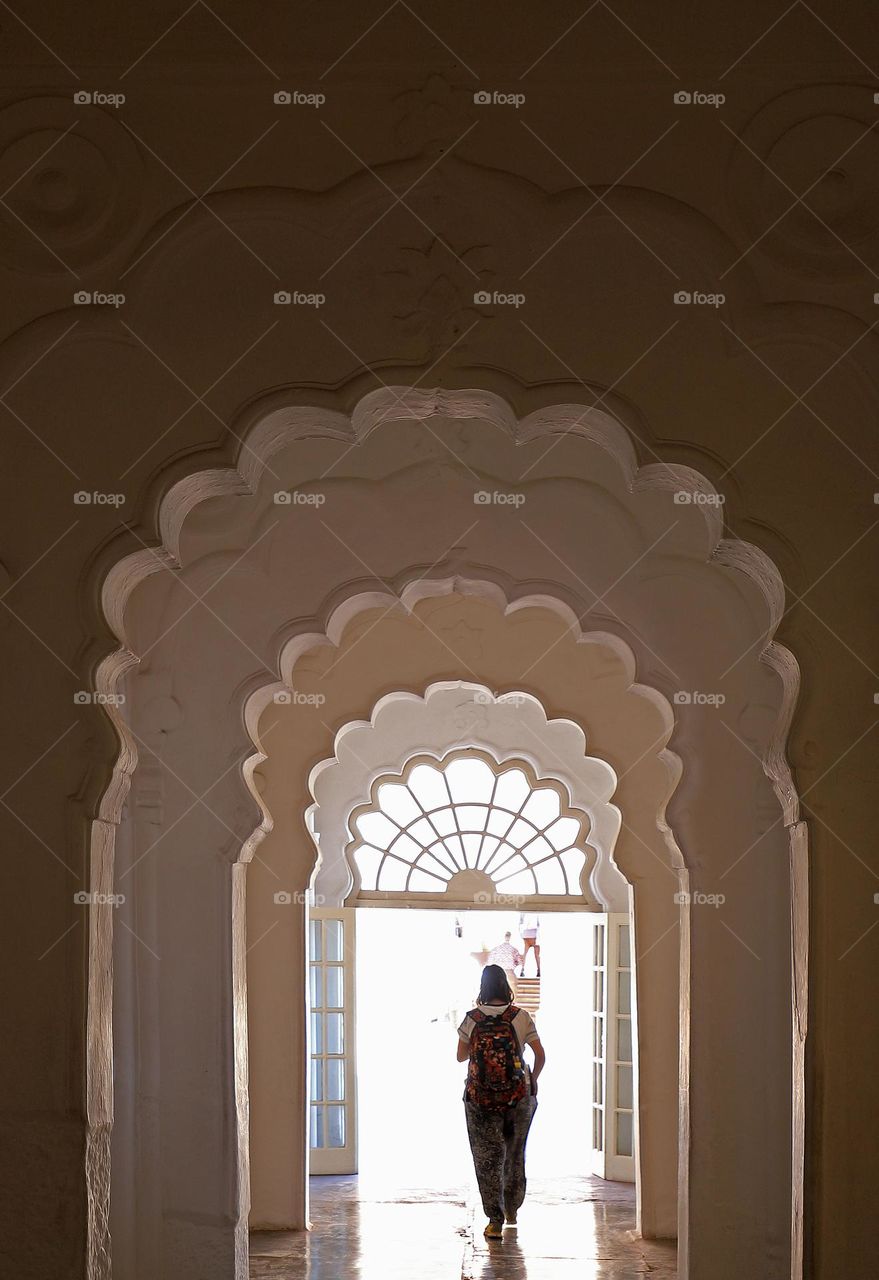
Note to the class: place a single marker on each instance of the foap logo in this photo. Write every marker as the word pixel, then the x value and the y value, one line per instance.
pixel 296 298
pixel 298 898
pixel 484 298
pixel 684 298
pixel 696 98
pixel 97 498
pixel 689 498
pixel 89 298
pixel 97 98
pixel 484 899
pixel 296 98
pixel 698 899
pixel 82 698
pixel 497 498
pixel 693 698
pixel 496 98
pixel 84 899
pixel 293 698
pixel 298 498
pixel 484 698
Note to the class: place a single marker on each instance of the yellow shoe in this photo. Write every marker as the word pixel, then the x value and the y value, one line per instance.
pixel 494 1231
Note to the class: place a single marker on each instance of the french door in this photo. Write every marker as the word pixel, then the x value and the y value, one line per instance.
pixel 613 1062
pixel 331 1041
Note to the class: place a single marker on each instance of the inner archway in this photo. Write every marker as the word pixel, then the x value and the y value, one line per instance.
pixel 440 728
pixel 505 726
pixel 593 685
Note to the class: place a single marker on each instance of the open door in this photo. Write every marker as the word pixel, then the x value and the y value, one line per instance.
pixel 613 1092
pixel 332 1068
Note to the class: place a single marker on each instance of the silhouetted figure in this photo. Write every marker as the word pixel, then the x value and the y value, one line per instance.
pixel 500 1096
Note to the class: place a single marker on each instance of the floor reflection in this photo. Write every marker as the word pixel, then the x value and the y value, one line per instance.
pixel 569 1229
pixel 501 1260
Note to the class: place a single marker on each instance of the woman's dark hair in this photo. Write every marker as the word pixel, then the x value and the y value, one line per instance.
pixel 494 985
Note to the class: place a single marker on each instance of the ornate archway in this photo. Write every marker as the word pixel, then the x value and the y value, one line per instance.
pixel 598 432
pixel 407 733
pixel 508 727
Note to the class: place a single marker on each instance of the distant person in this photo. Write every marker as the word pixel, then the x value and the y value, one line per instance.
pixel 506 955
pixel 529 927
pixel 500 1096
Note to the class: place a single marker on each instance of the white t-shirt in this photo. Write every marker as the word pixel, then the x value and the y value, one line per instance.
pixel 523 1023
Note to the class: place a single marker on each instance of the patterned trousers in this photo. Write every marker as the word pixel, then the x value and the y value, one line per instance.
pixel 497 1140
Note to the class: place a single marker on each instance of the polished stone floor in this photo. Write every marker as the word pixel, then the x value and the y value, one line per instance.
pixel 569 1229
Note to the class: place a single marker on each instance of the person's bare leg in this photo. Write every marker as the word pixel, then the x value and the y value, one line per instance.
pixel 537 955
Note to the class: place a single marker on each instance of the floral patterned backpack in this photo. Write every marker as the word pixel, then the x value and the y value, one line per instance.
pixel 496 1075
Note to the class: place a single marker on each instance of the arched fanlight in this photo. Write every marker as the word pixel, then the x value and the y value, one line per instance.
pixel 467 814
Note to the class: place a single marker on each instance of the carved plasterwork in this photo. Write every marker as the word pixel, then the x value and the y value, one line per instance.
pixel 507 726
pixel 816 142
pixel 71 193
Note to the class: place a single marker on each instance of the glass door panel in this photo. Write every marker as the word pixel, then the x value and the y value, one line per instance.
pixel 332 1073
pixel 620 1100
pixel 599 1001
pixel 613 1091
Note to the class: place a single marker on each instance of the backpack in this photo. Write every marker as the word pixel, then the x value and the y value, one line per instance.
pixel 496 1075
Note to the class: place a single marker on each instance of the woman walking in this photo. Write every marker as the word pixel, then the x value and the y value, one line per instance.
pixel 500 1097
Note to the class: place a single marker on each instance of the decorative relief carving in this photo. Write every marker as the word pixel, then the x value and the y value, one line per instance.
pixel 434 292
pixel 438 113
pixel 813 142
pixel 72 179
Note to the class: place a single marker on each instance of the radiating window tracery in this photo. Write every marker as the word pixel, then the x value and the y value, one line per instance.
pixel 467 814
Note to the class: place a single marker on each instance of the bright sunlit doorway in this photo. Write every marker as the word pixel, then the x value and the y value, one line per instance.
pixel 389 987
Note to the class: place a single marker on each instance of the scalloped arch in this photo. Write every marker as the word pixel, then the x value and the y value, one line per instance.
pixel 279 427
pixel 403 724
pixel 422 589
